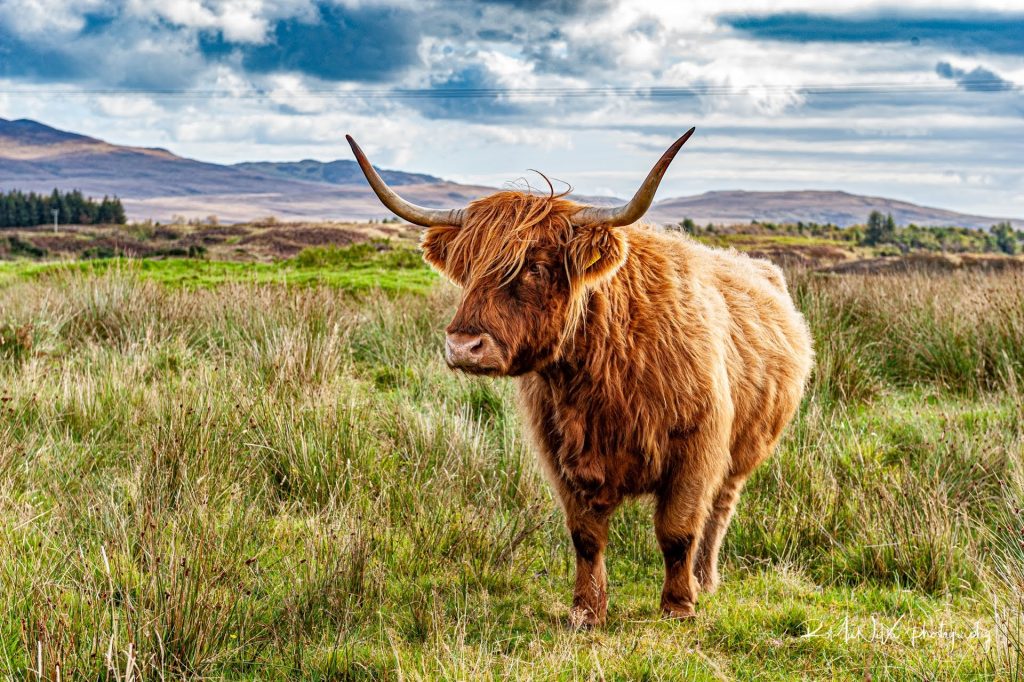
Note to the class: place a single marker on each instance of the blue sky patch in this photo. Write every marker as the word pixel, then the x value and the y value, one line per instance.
pixel 968 33
pixel 363 44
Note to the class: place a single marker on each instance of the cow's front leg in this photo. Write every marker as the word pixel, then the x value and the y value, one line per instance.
pixel 589 532
pixel 683 506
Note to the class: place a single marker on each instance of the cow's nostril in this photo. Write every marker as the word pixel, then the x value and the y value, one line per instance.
pixel 468 351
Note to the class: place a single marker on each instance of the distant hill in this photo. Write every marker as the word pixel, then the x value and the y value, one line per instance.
pixel 155 183
pixel 37 157
pixel 343 172
pixel 27 139
pixel 809 206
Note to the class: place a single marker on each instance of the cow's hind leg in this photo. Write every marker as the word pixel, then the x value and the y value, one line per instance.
pixel 747 454
pixel 705 566
pixel 679 523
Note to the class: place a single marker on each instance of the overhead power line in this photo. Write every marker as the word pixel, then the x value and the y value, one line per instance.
pixel 600 92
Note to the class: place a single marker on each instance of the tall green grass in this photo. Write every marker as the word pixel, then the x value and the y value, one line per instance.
pixel 375 265
pixel 959 333
pixel 278 482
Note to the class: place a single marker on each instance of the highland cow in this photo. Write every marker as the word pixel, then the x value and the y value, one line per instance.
pixel 646 363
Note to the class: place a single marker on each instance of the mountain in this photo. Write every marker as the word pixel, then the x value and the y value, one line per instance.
pixel 155 183
pixel 344 172
pixel 37 157
pixel 28 139
pixel 809 206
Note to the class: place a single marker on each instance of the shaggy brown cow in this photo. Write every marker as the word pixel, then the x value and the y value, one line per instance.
pixel 646 363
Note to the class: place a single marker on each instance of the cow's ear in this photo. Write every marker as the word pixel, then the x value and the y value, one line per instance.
pixel 436 243
pixel 596 253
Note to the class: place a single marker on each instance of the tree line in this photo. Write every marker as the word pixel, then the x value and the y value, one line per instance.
pixel 18 209
pixel 882 229
pixel 882 232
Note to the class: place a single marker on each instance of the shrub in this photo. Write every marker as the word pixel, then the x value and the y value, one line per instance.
pixel 16 246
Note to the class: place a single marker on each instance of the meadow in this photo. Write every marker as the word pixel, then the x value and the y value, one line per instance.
pixel 220 474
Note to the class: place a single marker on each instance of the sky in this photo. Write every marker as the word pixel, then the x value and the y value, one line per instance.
pixel 922 101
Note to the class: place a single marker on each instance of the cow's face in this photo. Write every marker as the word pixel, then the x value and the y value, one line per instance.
pixel 526 264
pixel 525 271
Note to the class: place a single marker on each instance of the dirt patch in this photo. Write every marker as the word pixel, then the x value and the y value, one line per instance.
pixel 928 262
pixel 816 256
pixel 209 236
pixel 266 241
pixel 322 236
pixel 106 247
pixel 60 243
pixel 285 242
pixel 167 233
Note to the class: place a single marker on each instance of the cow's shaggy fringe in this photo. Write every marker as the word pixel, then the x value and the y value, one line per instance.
pixel 499 231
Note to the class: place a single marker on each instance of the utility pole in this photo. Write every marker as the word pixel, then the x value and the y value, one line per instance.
pixel 55 212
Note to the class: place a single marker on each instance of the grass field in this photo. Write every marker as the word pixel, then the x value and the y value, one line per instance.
pixel 240 478
pixel 369 265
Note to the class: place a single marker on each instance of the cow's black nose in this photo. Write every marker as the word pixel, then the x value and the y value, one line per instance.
pixel 470 351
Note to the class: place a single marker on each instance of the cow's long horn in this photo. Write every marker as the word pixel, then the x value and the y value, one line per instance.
pixel 641 201
pixel 418 215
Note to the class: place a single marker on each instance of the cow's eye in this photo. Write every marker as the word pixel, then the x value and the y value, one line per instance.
pixel 536 269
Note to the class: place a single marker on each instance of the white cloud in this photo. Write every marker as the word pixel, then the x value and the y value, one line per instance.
pixel 122 106
pixel 42 16
pixel 757 127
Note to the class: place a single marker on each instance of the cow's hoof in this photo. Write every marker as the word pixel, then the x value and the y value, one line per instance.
pixel 678 611
pixel 581 618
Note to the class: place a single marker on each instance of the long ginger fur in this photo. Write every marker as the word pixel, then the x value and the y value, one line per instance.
pixel 646 363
